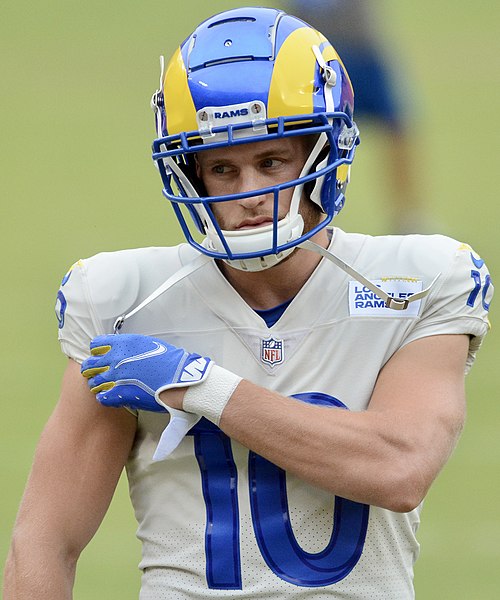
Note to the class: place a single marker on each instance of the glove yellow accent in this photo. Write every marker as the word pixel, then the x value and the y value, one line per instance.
pixel 100 350
pixel 104 387
pixel 89 373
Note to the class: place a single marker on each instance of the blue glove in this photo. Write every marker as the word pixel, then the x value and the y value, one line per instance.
pixel 128 370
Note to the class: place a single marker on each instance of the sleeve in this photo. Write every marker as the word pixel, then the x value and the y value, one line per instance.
pixel 78 322
pixel 77 310
pixel 97 290
pixel 459 303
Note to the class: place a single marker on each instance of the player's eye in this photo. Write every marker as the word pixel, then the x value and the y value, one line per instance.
pixel 221 169
pixel 269 163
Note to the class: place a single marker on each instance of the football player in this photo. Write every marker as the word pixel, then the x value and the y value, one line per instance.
pixel 282 393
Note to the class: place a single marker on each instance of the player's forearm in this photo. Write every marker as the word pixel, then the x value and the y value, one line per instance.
pixel 34 571
pixel 349 454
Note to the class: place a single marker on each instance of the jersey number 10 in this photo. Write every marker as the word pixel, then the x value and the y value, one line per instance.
pixel 270 517
pixel 471 300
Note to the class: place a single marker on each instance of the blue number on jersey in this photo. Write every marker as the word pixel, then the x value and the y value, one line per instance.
pixel 219 482
pixel 61 306
pixel 478 284
pixel 270 516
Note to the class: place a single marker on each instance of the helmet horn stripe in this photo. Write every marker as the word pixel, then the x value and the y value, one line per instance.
pixel 293 64
pixel 179 105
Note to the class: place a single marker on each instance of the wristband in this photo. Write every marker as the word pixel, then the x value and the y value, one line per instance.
pixel 209 398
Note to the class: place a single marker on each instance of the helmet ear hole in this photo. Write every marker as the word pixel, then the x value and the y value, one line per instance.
pixel 312 188
pixel 188 167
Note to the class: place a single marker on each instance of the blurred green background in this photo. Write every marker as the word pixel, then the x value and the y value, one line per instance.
pixel 76 128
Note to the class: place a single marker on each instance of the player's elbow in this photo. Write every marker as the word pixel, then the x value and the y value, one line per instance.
pixel 413 471
pixel 405 488
pixel 403 500
pixel 34 552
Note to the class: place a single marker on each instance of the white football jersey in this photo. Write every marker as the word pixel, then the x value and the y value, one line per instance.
pixel 219 521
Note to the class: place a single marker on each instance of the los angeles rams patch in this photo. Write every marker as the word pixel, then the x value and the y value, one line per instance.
pixel 365 303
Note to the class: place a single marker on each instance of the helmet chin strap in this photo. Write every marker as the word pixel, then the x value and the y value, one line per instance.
pixel 190 267
pixel 203 259
pixel 390 302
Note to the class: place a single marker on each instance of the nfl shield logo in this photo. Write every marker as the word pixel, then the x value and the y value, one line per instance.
pixel 272 351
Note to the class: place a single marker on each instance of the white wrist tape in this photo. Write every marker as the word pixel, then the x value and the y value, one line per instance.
pixel 209 398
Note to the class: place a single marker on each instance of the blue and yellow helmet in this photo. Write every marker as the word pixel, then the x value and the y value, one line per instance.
pixel 249 75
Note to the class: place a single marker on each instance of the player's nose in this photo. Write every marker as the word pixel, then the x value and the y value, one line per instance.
pixel 250 180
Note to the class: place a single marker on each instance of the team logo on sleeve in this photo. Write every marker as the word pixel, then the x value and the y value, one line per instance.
pixel 364 303
pixel 68 274
pixel 60 308
pixel 272 351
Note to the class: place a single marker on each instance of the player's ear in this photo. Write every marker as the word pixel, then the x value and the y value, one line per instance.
pixel 197 180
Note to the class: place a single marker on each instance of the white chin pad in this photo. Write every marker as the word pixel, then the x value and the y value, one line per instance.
pixel 259 263
pixel 257 239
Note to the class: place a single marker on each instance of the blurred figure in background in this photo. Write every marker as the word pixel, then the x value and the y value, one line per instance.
pixel 352 27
